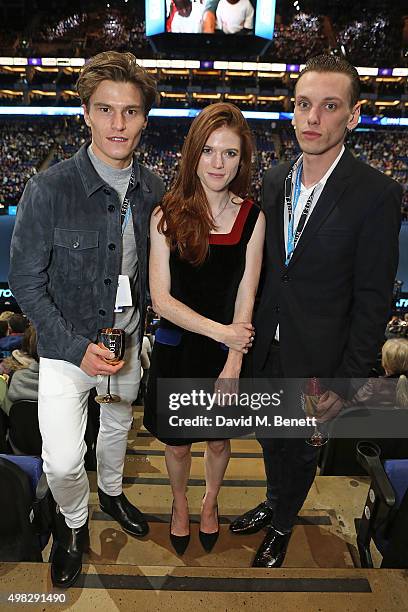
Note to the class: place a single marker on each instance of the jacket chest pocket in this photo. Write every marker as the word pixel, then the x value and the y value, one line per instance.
pixel 335 244
pixel 76 253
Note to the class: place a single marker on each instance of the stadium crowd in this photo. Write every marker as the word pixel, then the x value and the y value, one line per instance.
pixel 25 144
pixel 302 36
pixel 364 31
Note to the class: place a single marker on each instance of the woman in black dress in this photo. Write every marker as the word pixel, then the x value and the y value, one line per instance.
pixel 205 260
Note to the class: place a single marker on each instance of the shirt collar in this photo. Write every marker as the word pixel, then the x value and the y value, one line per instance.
pixel 90 178
pixel 324 179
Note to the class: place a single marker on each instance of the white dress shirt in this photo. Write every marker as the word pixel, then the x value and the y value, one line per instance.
pixel 303 197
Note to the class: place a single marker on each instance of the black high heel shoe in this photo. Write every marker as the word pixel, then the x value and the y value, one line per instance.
pixel 179 543
pixel 208 540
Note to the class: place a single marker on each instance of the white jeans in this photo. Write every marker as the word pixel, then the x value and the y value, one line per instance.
pixel 62 413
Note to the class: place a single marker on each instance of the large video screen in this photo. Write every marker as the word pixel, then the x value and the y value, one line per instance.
pixel 219 17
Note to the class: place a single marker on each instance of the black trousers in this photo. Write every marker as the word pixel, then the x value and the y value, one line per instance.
pixel 290 464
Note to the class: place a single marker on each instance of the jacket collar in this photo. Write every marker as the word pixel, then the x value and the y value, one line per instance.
pixel 334 188
pixel 332 191
pixel 89 176
pixel 343 167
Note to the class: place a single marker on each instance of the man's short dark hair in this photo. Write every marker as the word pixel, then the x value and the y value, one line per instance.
pixel 334 63
pixel 18 323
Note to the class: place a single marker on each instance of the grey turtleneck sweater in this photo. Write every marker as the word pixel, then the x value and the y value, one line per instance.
pixel 118 179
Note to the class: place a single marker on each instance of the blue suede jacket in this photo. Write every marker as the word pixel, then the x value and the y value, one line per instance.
pixel 66 252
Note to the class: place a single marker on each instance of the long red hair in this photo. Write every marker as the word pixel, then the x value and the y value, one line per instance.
pixel 187 220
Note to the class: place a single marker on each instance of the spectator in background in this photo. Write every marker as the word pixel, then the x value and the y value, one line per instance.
pixel 234 16
pixel 6 314
pixel 391 389
pixel 187 18
pixel 397 327
pixel 17 324
pixel 393 327
pixel 20 359
pixel 3 395
pixel 24 382
pixel 404 326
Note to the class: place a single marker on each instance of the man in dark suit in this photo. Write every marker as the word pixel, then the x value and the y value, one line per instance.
pixel 331 258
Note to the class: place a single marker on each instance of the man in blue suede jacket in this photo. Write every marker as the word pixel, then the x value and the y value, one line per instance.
pixel 82 226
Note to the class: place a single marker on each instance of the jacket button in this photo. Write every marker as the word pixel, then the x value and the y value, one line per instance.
pixel 107 191
pixel 102 312
pixel 111 246
pixel 285 278
pixel 107 281
pixel 111 208
pixel 277 309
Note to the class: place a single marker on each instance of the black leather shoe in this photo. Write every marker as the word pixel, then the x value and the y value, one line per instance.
pixel 66 556
pixel 128 516
pixel 253 520
pixel 271 552
pixel 208 540
pixel 179 543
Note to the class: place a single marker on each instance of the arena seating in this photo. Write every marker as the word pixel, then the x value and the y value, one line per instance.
pixel 363 29
pixel 25 144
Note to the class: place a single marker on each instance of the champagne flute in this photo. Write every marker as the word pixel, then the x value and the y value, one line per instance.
pixel 310 397
pixel 114 340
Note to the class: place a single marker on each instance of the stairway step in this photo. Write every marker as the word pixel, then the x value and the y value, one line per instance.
pixel 316 542
pixel 149 452
pixel 141 439
pixel 340 498
pixel 154 588
pixel 154 467
pixel 347 495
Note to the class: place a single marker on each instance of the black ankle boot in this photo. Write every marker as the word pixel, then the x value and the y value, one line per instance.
pixel 128 516
pixel 66 562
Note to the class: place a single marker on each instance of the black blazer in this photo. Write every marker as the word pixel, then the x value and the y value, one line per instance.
pixel 333 300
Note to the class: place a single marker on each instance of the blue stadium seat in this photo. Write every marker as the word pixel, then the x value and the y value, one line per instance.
pixel 24 432
pixel 26 512
pixel 385 515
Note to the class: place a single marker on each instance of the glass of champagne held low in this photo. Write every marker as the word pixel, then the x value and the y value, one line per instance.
pixel 310 398
pixel 114 340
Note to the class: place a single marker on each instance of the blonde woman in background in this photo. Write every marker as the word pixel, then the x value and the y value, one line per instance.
pixel 391 389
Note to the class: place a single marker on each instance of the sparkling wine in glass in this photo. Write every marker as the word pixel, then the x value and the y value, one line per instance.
pixel 310 397
pixel 114 340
